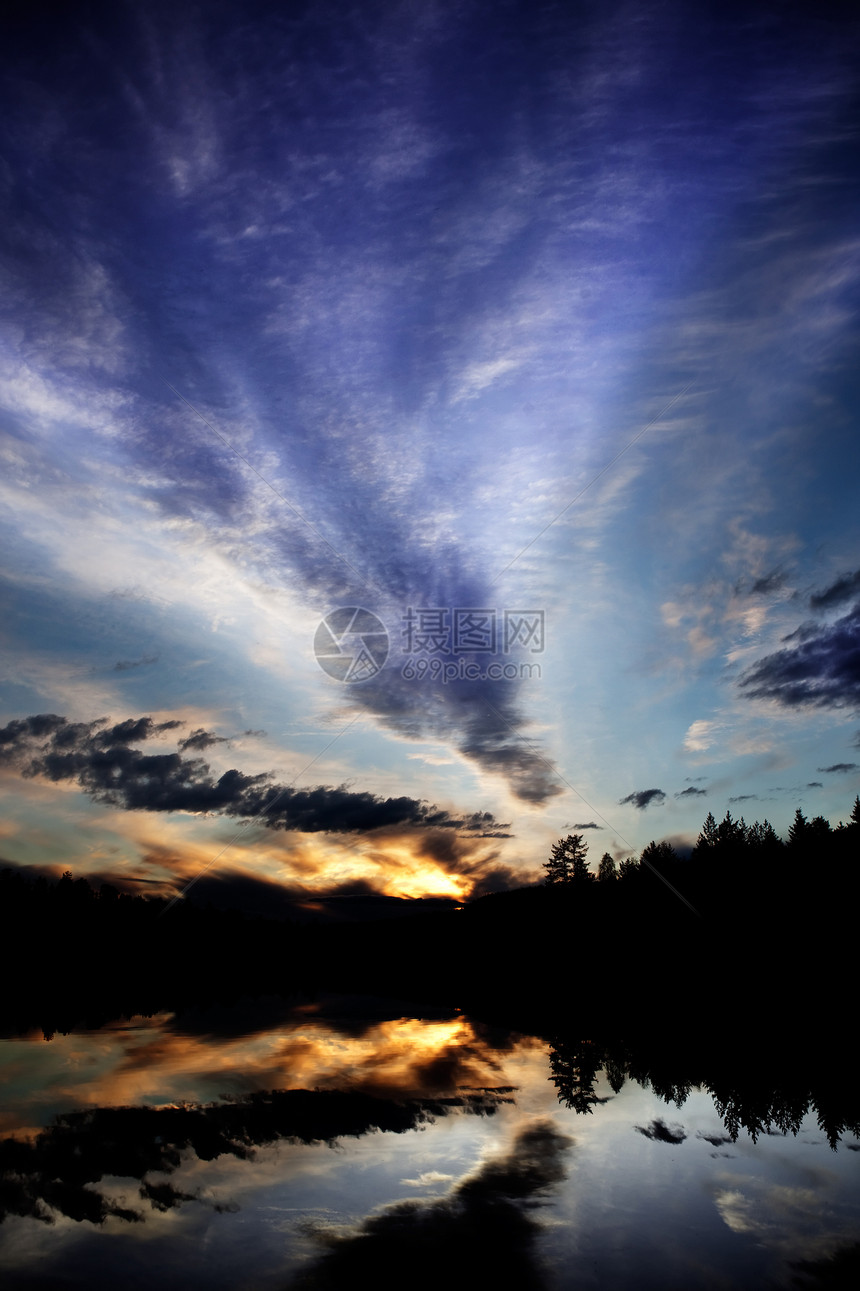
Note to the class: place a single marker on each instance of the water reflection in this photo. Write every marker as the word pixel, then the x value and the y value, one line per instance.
pixel 60 1170
pixel 759 1089
pixel 316 1143
pixel 484 1231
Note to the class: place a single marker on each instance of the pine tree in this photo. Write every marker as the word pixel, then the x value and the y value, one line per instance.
pixel 575 1068
pixel 567 863
pixel 731 833
pixel 819 830
pixel 628 867
pixel 558 866
pixel 658 855
pixel 607 870
pixel 798 830
pixel 709 836
pixel 762 837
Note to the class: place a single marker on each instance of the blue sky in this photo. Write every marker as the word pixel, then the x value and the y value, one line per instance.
pixel 524 308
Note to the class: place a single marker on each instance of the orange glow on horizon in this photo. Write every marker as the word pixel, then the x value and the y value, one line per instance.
pixel 415 876
pixel 163 853
pixel 146 1063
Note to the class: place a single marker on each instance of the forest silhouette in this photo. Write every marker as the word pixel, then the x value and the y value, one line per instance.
pixel 746 920
pixel 724 971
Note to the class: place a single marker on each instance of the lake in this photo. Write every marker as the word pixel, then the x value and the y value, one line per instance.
pixel 276 1143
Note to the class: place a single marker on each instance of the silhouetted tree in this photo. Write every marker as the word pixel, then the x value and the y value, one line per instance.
pixel 798 830
pixel 615 1074
pixel 709 836
pixel 567 863
pixel 763 837
pixel 731 834
pixel 575 1066
pixel 607 871
pixel 818 831
pixel 628 868
pixel 659 855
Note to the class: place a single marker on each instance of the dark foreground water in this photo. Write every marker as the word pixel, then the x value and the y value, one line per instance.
pixel 329 1143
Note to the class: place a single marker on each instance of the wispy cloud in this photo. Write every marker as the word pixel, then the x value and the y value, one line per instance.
pixel 127 665
pixel 701 734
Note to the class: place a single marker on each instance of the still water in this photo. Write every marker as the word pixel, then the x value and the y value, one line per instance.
pixel 317 1144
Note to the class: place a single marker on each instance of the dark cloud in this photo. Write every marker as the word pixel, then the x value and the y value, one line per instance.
pixel 659 1132
pixel 134 730
pixel 805 632
pixel 480 719
pixel 814 784
pixel 822 670
pixel 772 582
pixel 200 740
pixel 126 665
pixel 745 797
pixel 844 589
pixel 716 1140
pixel 692 792
pixel 642 798
pixel 483 1233
pixel 591 824
pixel 64 734
pixel 839 768
pixel 104 765
pixel 42 724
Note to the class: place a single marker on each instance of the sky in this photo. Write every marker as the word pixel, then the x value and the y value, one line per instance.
pixel 428 430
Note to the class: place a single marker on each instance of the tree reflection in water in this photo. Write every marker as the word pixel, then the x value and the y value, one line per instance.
pixel 756 1087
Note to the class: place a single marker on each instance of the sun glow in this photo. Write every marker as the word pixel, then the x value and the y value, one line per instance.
pixel 404 874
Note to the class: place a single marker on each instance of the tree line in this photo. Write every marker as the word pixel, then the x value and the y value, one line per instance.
pixel 764 922
pixel 729 839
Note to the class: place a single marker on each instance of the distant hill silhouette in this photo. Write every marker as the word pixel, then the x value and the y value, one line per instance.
pixel 747 922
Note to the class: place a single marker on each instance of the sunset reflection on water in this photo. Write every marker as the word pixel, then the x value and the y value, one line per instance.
pixel 386 1133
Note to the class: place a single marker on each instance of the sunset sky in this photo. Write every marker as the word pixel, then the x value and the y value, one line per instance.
pixel 540 317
